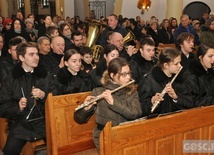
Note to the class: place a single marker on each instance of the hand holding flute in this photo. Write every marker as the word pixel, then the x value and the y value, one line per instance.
pixel 168 89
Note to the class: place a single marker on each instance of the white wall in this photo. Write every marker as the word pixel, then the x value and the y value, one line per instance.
pixel 130 10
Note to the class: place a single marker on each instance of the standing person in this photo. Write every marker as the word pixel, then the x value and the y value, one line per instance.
pixel 70 79
pixel 23 88
pixel 157 80
pixel 200 82
pixel 109 53
pixel 119 107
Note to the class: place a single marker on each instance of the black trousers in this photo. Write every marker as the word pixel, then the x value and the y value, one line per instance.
pixel 13 146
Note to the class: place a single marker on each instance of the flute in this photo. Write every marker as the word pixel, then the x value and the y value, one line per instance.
pixel 87 103
pixel 157 102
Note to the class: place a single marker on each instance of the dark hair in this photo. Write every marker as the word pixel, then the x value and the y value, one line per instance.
pixel 69 53
pixel 115 65
pixel 108 48
pixel 203 48
pixel 62 26
pixel 50 29
pixel 182 37
pixel 147 41
pixel 167 55
pixel 45 16
pixel 22 47
pixel 14 42
pixel 75 33
pixel 85 50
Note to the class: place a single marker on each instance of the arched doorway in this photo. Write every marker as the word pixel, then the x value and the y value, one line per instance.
pixel 196 9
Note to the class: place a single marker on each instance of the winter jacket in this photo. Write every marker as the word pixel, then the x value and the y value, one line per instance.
pixel 66 83
pixel 200 84
pixel 154 82
pixel 182 29
pixel 140 66
pixel 17 85
pixel 125 108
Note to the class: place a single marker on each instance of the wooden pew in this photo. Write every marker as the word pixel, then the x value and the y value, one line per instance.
pixel 158 136
pixel 64 135
pixel 28 149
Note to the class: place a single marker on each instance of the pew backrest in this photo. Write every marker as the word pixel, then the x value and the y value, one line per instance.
pixel 64 135
pixel 158 136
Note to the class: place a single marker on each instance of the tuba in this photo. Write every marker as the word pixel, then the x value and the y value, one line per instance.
pixel 93 34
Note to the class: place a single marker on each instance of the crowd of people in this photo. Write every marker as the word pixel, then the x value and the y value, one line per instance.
pixel 52 56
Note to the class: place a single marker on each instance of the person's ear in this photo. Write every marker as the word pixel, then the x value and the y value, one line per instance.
pixel 112 76
pixel 21 58
pixel 66 63
pixel 165 65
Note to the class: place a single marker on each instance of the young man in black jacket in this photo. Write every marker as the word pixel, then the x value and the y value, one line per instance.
pixel 22 98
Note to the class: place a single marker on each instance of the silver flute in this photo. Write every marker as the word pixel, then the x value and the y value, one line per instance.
pixel 157 102
pixel 87 103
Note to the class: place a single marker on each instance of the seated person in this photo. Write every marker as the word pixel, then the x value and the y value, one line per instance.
pixel 144 60
pixel 200 79
pixel 87 59
pixel 156 87
pixel 110 52
pixel 70 79
pixel 119 107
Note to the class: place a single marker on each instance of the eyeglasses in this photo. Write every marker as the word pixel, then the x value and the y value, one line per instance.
pixel 124 74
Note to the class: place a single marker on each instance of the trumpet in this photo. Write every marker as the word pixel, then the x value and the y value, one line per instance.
pixel 154 106
pixel 87 103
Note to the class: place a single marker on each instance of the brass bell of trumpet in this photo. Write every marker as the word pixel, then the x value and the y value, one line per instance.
pixel 129 37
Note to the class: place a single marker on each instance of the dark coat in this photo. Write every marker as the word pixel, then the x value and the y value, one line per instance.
pixel 10 95
pixel 186 61
pixel 180 29
pixel 97 73
pixel 66 83
pixel 155 36
pixel 6 66
pixel 140 66
pixel 154 82
pixel 9 34
pixel 51 62
pixel 200 84
pixel 166 36
pixel 68 44
pixel 125 108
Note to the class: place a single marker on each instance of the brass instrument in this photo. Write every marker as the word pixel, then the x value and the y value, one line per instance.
pixel 85 104
pixel 95 27
pixel 154 106
pixel 129 37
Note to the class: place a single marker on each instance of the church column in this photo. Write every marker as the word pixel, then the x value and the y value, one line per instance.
pixel 60 9
pixel 174 9
pixel 4 8
pixel 86 6
pixel 27 7
pixel 118 7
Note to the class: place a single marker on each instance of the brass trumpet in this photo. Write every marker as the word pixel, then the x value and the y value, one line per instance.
pixel 154 106
pixel 85 104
